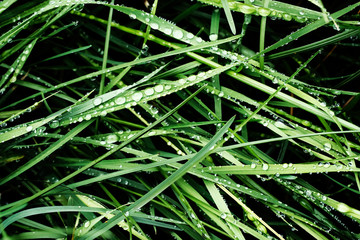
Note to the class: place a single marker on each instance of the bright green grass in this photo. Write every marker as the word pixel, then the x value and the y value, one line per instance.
pixel 212 119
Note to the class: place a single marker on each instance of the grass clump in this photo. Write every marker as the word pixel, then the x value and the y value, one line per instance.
pixel 193 120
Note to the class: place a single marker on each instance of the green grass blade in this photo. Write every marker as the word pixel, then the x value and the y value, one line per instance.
pixel 55 146
pixel 228 15
pixel 165 184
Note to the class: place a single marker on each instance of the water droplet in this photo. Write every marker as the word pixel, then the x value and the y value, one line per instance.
pixel 280 124
pixel 213 37
pixel 178 34
pixel 149 91
pixel 253 165
pixel 159 88
pixel 154 26
pixel 120 100
pixel 97 101
pixel 192 78
pixel 247 9
pixel 198 39
pixel 201 74
pixel 342 207
pixel 327 146
pixel 221 94
pixel 88 117
pixel 87 224
pixel 137 96
pixel 127 214
pixel 189 35
pixel 167 31
pixel 223 215
pixel 182 81
pixel 265 167
pixel 132 16
pixel 29 128
pixel 111 138
pixel 264 12
pixel 54 124
pixel 285 165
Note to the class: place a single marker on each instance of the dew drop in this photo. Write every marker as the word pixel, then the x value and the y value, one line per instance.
pixel 159 88
pixel 154 26
pixel 253 165
pixel 178 34
pixel 327 146
pixel 192 78
pixel 29 128
pixel 120 100
pixel 265 167
pixel 264 12
pixel 111 138
pixel 88 117
pixel 54 124
pixel 137 96
pixel 182 81
pixel 97 101
pixel 213 37
pixel 201 74
pixel 189 35
pixel 87 224
pixel 223 215
pixel 149 91
pixel 280 124
pixel 167 31
pixel 342 207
